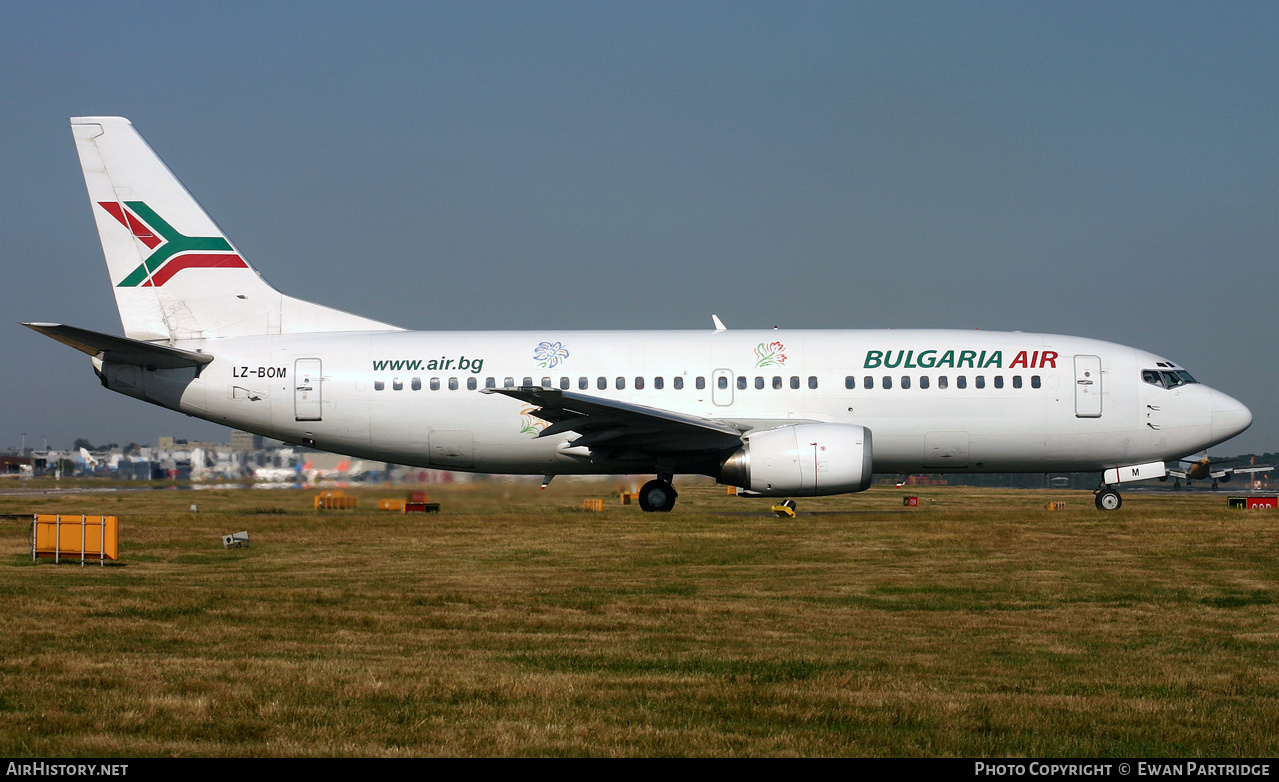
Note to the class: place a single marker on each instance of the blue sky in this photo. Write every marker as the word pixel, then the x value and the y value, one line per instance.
pixel 1100 169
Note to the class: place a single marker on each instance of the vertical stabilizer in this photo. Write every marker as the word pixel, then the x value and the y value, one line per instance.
pixel 176 276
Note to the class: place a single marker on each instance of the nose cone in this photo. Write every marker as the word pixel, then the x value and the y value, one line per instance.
pixel 1229 416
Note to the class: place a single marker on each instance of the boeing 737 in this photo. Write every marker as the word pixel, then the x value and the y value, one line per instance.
pixel 775 412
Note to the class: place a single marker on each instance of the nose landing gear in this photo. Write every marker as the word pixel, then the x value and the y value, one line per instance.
pixel 1108 499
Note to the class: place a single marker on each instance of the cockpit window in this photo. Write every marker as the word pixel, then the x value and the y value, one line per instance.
pixel 1167 378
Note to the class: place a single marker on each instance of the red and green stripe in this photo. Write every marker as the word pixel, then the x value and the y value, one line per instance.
pixel 172 251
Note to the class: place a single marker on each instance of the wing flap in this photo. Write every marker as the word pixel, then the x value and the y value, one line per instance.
pixel 613 425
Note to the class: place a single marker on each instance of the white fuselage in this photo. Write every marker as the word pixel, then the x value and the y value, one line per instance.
pixel 934 400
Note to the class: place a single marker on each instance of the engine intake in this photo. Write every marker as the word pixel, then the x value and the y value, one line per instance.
pixel 802 460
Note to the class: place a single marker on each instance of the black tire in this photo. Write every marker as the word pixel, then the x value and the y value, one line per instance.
pixel 657 497
pixel 1108 499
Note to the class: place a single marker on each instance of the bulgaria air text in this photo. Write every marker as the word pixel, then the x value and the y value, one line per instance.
pixel 958 359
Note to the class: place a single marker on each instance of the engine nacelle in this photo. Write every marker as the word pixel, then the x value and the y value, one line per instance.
pixel 803 460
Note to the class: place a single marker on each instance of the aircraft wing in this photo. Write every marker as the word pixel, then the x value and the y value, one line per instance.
pixel 121 349
pixel 1237 470
pixel 612 427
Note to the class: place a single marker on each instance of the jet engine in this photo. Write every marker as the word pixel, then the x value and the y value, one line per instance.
pixel 801 460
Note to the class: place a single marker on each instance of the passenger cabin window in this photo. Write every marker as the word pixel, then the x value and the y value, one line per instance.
pixel 602 384
pixel 546 382
pixel 759 382
pixel 509 382
pixel 999 381
pixel 923 381
pixel 658 383
pixel 961 381
pixel 887 382
pixel 679 383
pixel 490 382
pixel 741 382
pixel 564 384
pixel 528 381
pixel 452 384
pixel 905 381
pixel 794 381
pixel 868 382
pixel 379 385
pixel 583 383
pixel 1034 381
pixel 639 384
pixel 850 382
pixel 777 381
pixel 471 383
pixel 812 382
pixel 1016 381
pixel 621 384
pixel 942 382
pixel 981 381
pixel 435 384
pixel 701 383
pixel 416 384
pixel 723 382
pixel 397 384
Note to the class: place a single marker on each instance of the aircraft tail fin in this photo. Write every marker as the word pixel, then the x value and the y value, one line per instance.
pixel 175 274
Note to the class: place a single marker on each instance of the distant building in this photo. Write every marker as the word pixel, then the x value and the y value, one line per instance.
pixel 15 465
pixel 245 441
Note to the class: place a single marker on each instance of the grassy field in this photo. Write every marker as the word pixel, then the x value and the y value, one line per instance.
pixel 978 624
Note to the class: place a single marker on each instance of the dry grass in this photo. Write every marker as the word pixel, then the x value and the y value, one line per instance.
pixel 512 624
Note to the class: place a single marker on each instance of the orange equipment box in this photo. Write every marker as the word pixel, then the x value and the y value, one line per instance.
pixel 335 500
pixel 57 536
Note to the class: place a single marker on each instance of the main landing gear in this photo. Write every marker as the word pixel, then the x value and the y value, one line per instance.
pixel 1108 499
pixel 659 495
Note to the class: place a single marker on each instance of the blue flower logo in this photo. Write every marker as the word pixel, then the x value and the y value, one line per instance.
pixel 550 354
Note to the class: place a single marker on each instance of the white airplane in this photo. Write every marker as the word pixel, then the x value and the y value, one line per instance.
pixel 777 413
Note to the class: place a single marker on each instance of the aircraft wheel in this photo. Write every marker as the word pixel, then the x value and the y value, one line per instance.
pixel 657 496
pixel 1108 499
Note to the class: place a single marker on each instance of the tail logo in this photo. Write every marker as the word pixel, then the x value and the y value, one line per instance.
pixel 172 252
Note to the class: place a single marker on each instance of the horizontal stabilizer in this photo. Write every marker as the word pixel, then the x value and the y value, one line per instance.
pixel 121 350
